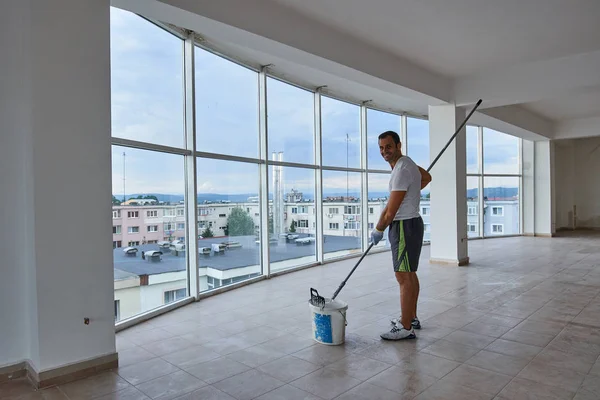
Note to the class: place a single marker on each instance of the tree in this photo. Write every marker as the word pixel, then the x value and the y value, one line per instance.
pixel 207 233
pixel 115 201
pixel 240 223
pixel 293 226
pixel 226 230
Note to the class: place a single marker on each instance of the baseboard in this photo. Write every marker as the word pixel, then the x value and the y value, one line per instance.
pixel 70 372
pixel 547 235
pixel 460 263
pixel 11 372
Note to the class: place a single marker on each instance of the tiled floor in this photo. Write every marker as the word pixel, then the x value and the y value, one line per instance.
pixel 521 322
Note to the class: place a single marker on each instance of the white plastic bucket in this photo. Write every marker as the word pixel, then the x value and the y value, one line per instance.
pixel 329 323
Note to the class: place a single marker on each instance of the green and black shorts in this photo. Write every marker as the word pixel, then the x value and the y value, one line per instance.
pixel 406 240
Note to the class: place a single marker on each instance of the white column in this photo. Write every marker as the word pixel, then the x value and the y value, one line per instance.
pixel 448 187
pixel 62 129
pixel 528 188
pixel 538 188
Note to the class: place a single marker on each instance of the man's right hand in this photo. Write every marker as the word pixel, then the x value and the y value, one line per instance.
pixel 376 236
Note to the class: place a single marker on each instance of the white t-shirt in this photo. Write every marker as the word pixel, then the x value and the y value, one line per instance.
pixel 407 177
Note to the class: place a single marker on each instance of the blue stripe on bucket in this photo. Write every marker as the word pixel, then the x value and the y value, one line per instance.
pixel 323 332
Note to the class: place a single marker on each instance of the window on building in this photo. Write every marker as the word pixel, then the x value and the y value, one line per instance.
pixel 169 212
pixel 352 210
pixel 116 244
pixel 302 210
pixel 334 225
pixel 222 215
pixel 117 230
pixel 497 228
pixel 152 241
pixel 471 228
pixel 334 210
pixel 133 214
pixel 180 212
pixel 169 226
pixel 424 210
pixel 371 210
pixel 427 227
pixel 152 228
pixel 294 210
pixel 174 295
pixel 472 211
pixel 248 210
pixel 133 243
pixel 371 225
pixel 180 226
pixel 116 214
pixel 352 225
pixel 303 223
pixel 498 211
pixel 151 214
pixel 133 229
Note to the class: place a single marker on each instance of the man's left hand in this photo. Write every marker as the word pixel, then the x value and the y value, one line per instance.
pixel 376 236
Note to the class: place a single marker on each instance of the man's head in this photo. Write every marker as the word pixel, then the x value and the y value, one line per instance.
pixel 390 146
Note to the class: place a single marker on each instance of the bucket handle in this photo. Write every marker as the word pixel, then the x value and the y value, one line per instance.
pixel 343 316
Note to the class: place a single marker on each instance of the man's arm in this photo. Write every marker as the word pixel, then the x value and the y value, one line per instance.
pixel 425 178
pixel 389 212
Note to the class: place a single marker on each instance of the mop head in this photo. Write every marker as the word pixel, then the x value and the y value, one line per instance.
pixel 315 299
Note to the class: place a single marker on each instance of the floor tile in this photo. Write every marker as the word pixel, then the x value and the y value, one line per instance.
pixel 451 351
pixel 558 377
pixel 326 383
pixel 248 385
pixel 171 386
pixel 407 384
pixel 288 368
pixel 95 386
pixel 469 339
pixel 287 392
pixel 359 367
pixel 499 320
pixel 514 349
pixel 134 355
pixel 449 391
pixel 21 389
pixel 525 389
pixel 591 386
pixel 497 362
pixel 581 363
pixel 427 364
pixel 130 393
pixel 206 393
pixel 322 355
pixel 256 356
pixel 146 371
pixel 216 370
pixel 289 344
pixel 167 346
pixel 478 379
pixel 191 356
pixel 495 331
pixel 528 337
pixel 366 391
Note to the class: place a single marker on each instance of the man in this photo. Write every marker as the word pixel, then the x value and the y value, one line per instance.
pixel 405 231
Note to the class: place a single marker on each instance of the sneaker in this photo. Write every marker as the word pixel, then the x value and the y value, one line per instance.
pixel 416 324
pixel 399 334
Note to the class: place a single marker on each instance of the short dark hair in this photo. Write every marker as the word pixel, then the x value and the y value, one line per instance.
pixel 391 134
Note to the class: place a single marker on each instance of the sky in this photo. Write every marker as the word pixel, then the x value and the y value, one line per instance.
pixel 147 105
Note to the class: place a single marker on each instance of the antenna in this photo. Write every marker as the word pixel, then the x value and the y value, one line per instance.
pixel 123 177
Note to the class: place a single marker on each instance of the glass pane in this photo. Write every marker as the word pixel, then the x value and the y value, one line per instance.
pixel 500 153
pixel 146 81
pixel 290 122
pixel 377 123
pixel 378 189
pixel 149 235
pixel 341 213
pixel 473 207
pixel 501 206
pixel 292 212
pixel 417 138
pixel 340 133
pixel 226 106
pixel 228 222
pixel 472 149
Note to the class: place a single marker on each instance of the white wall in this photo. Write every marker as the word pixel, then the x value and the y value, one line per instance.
pixel 55 150
pixel 15 132
pixel 578 183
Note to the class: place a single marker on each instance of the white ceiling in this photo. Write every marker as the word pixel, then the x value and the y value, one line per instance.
pixel 461 37
pixel 535 63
